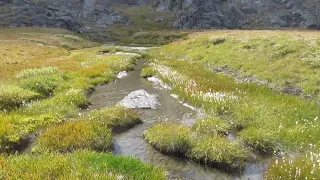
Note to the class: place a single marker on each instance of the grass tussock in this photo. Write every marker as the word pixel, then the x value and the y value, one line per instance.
pixel 12 96
pixel 147 72
pixel 211 126
pixel 74 135
pixel 202 146
pixel 214 149
pixel 116 117
pixel 77 165
pixel 169 138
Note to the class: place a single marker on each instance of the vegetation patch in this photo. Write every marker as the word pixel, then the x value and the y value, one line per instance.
pixel 74 135
pixel 300 166
pixel 203 146
pixel 214 149
pixel 169 138
pixel 116 118
pixel 77 165
pixel 13 96
pixel 211 126
pixel 43 85
pixel 147 72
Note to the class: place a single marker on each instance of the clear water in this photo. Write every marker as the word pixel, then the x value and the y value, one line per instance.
pixel 132 143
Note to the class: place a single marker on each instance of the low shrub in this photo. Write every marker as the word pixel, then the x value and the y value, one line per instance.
pixel 12 96
pixel 78 134
pixel 77 165
pixel 169 137
pixel 116 117
pixel 211 126
pixel 217 150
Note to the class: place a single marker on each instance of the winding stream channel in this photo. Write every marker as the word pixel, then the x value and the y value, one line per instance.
pixel 131 142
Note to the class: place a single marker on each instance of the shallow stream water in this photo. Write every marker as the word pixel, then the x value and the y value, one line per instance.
pixel 131 142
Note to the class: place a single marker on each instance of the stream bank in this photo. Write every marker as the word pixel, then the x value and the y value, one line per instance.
pixel 132 143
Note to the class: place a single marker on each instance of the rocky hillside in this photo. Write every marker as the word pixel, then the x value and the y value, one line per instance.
pixel 250 14
pixel 84 15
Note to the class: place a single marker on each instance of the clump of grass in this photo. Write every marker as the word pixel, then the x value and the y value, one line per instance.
pixel 73 97
pixel 13 96
pixel 302 166
pixel 44 85
pixel 263 140
pixel 9 134
pixel 218 40
pixel 73 135
pixel 147 72
pixel 77 165
pixel 211 125
pixel 26 73
pixel 216 150
pixel 169 138
pixel 116 117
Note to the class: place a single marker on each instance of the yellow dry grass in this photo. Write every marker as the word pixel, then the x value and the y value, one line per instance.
pixel 22 48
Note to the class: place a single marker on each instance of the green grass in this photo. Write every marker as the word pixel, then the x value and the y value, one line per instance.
pixel 74 135
pixel 35 72
pixel 116 117
pixel 43 85
pixel 300 166
pixel 12 96
pixel 291 56
pixel 211 126
pixel 169 138
pixel 214 149
pixel 67 83
pixel 147 72
pixel 77 165
pixel 245 106
pixel 207 147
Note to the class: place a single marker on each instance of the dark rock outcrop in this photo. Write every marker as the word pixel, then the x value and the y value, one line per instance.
pixel 249 14
pixel 85 15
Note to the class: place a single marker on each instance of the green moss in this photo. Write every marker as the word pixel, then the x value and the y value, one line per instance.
pixel 74 135
pixel 77 165
pixel 169 138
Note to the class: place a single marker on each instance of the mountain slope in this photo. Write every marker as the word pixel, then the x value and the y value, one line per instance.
pixel 92 16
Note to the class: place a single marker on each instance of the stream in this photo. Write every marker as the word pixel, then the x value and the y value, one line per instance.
pixel 131 142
